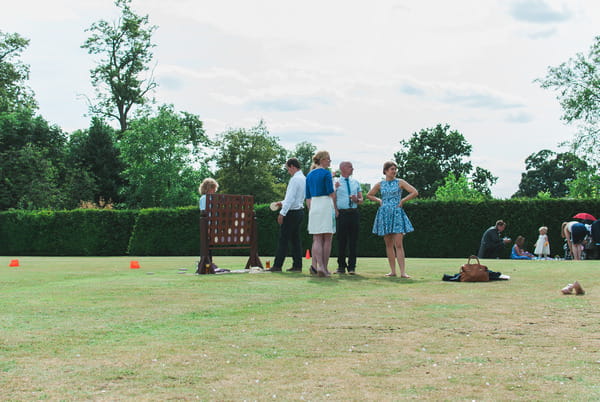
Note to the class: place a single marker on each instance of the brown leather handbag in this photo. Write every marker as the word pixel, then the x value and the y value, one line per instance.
pixel 474 272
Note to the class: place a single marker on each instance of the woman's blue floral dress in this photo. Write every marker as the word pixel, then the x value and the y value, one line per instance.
pixel 390 217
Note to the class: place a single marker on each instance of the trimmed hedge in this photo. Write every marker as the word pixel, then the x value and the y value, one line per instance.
pixel 77 232
pixel 166 232
pixel 442 229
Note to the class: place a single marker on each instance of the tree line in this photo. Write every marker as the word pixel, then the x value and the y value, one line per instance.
pixel 158 155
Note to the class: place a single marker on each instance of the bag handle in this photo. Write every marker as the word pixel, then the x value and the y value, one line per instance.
pixel 473 256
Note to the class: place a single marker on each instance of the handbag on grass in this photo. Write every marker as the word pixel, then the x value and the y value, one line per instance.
pixel 474 272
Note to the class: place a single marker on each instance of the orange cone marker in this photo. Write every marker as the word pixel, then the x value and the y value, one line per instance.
pixel 13 263
pixel 307 256
pixel 134 265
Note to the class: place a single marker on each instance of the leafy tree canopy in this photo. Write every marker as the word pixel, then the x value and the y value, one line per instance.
pixel 28 179
pixel 249 162
pixel 304 151
pixel 94 151
pixel 577 84
pixel 585 185
pixel 13 73
pixel 457 189
pixel 430 155
pixel 548 171
pixel 481 180
pixel 126 50
pixel 22 127
pixel 163 154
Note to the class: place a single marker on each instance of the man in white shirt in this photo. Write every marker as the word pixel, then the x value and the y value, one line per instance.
pixel 290 217
pixel 348 196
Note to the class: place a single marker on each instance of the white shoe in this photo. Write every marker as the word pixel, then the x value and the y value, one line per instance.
pixel 567 290
pixel 505 277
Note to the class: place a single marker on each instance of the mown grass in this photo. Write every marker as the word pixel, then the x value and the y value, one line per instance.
pixel 91 328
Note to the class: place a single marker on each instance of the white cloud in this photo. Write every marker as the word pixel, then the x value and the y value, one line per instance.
pixel 474 97
pixel 519 117
pixel 539 11
pixel 214 73
pixel 462 94
pixel 543 34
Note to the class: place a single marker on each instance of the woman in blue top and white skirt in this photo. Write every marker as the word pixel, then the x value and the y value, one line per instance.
pixel 322 211
pixel 391 221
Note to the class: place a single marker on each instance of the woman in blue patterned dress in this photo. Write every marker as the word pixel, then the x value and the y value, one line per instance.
pixel 391 221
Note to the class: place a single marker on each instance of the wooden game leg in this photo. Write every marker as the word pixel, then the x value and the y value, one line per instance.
pixel 206 266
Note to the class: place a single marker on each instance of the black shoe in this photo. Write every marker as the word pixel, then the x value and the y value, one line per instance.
pixel 351 272
pixel 340 272
pixel 313 270
pixel 294 269
pixel 274 269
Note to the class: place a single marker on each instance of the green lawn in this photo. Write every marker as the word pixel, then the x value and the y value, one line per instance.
pixel 92 328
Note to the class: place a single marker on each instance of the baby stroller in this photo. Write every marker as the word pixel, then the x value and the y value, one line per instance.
pixel 593 245
pixel 568 255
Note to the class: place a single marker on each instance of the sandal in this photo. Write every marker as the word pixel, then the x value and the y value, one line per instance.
pixel 405 276
pixel 390 275
pixel 313 270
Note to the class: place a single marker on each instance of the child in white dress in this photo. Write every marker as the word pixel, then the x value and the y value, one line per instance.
pixel 542 247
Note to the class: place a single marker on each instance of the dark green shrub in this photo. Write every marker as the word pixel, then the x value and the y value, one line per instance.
pixel 166 232
pixel 79 232
pixel 442 229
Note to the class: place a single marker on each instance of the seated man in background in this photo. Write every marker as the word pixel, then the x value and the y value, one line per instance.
pixel 491 243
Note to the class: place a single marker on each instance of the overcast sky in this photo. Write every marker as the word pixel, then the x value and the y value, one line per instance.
pixel 353 77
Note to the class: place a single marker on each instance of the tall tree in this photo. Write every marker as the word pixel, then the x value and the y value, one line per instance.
pixel 585 185
pixel 29 180
pixel 164 155
pixel 577 83
pixel 550 172
pixel 249 161
pixel 13 73
pixel 126 50
pixel 457 188
pixel 481 181
pixel 32 154
pixel 430 155
pixel 94 151
pixel 304 151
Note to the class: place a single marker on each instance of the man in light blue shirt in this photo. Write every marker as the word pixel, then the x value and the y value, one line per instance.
pixel 290 217
pixel 348 196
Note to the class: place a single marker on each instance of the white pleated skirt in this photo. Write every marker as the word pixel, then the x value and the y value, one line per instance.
pixel 321 215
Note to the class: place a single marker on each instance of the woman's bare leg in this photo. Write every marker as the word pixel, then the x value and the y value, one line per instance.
pixel 319 253
pixel 398 244
pixel 326 247
pixel 390 253
pixel 316 251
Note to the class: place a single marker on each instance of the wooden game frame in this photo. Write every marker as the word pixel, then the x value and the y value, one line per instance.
pixel 227 222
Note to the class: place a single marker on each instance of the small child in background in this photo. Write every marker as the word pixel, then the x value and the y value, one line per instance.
pixel 208 186
pixel 518 252
pixel 542 246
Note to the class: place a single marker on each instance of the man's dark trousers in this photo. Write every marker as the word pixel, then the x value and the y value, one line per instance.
pixel 490 251
pixel 347 236
pixel 289 232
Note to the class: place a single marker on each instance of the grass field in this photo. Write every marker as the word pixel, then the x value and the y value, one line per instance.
pixel 92 328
